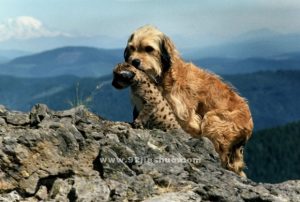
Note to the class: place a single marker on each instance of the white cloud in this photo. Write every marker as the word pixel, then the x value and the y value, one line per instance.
pixel 25 27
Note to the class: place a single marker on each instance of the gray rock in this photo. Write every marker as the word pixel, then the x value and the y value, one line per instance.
pixel 12 196
pixel 17 118
pixel 42 193
pixel 88 189
pixel 175 197
pixel 75 155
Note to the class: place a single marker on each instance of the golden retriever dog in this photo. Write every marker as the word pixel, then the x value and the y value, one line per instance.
pixel 203 104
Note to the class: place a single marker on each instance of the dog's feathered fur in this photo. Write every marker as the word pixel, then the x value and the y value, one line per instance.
pixel 203 103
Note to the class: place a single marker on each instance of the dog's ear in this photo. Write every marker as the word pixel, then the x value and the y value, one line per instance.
pixel 167 53
pixel 126 51
pixel 126 54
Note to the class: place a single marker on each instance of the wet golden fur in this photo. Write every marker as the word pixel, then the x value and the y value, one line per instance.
pixel 203 103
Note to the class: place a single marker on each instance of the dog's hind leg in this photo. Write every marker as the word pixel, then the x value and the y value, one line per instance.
pixel 227 134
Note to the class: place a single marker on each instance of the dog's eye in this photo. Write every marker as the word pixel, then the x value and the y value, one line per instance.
pixel 149 49
pixel 132 48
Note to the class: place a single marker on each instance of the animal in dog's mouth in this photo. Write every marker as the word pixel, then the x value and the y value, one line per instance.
pixel 154 110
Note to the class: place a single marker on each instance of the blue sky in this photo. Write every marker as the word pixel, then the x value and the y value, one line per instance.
pixel 201 21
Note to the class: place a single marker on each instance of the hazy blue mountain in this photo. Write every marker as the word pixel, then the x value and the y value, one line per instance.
pixel 258 43
pixel 3 59
pixel 105 100
pixel 64 92
pixel 48 43
pixel 93 62
pixel 287 61
pixel 11 53
pixel 257 34
pixel 274 97
pixel 18 93
pixel 272 155
pixel 77 61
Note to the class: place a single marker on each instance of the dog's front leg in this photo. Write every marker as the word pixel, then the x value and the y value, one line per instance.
pixel 194 124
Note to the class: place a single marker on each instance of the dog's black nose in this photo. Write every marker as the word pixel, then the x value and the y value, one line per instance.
pixel 136 63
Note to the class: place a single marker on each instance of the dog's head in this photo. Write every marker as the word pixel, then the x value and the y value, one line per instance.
pixel 123 75
pixel 150 50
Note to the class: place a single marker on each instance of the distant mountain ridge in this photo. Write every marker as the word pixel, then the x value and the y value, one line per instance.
pixel 68 55
pixel 257 43
pixel 48 43
pixel 11 54
pixel 77 61
pixel 95 62
pixel 287 61
pixel 3 59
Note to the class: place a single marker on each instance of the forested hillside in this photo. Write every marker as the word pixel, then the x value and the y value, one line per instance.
pixel 272 155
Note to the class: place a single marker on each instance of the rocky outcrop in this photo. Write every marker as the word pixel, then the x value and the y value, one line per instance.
pixel 75 155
